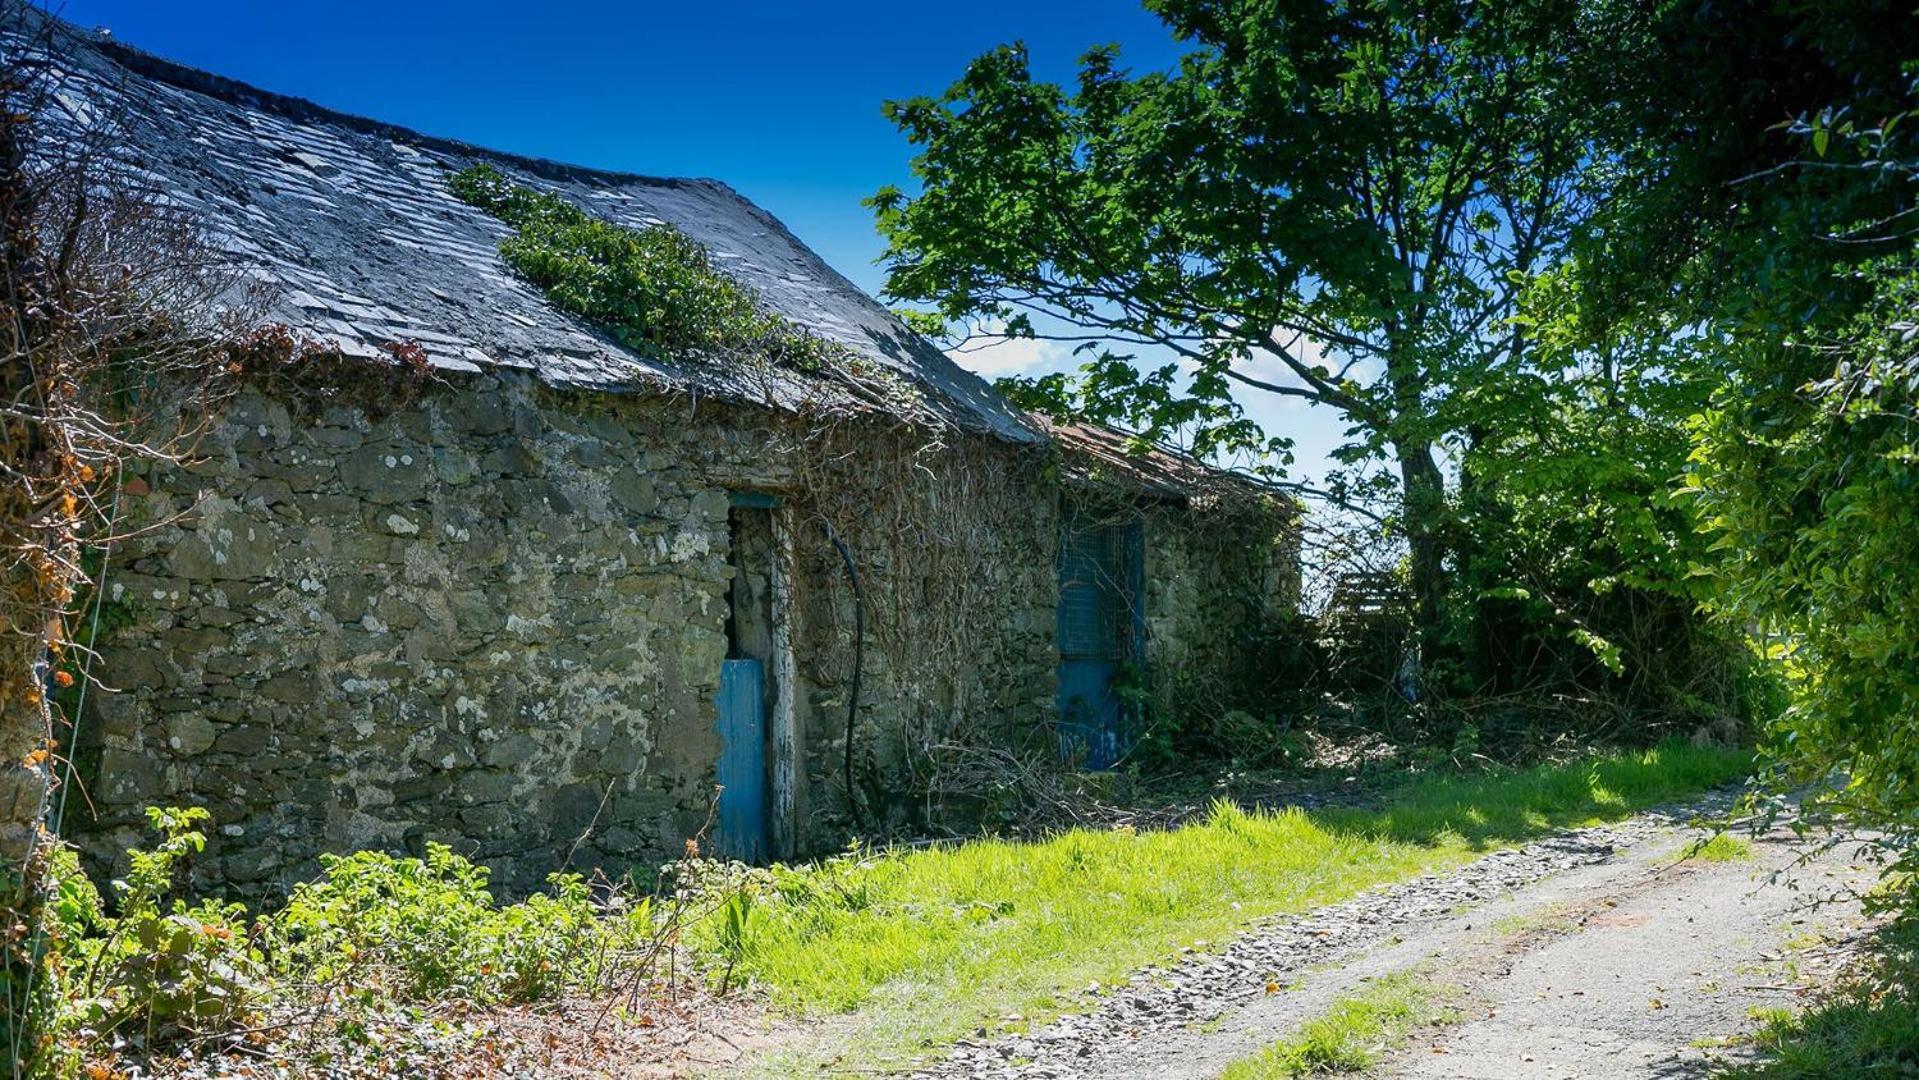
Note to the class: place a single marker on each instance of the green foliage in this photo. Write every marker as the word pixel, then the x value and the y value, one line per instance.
pixel 733 937
pixel 375 937
pixel 1792 292
pixel 1583 557
pixel 1336 202
pixel 1459 228
pixel 416 929
pixel 1248 189
pixel 1466 743
pixel 160 971
pixel 1807 471
pixel 1245 714
pixel 656 290
pixel 1227 737
pixel 925 323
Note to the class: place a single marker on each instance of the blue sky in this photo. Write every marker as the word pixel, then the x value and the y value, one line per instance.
pixel 779 99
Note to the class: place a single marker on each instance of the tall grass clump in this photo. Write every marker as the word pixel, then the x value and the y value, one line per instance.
pixel 1867 1025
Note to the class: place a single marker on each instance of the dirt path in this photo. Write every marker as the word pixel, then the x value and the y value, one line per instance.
pixel 1644 981
pixel 1591 954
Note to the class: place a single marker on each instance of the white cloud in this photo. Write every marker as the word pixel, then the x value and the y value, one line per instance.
pixel 992 354
pixel 1313 353
pixel 1003 355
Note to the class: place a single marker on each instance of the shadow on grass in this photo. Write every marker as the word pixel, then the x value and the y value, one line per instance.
pixel 1867 1026
pixel 1485 811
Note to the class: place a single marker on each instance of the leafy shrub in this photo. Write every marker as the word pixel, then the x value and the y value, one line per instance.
pixel 374 935
pixel 409 920
pixel 420 929
pixel 1806 468
pixel 161 970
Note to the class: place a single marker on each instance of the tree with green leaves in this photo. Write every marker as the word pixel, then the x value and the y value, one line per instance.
pixel 1766 230
pixel 1338 202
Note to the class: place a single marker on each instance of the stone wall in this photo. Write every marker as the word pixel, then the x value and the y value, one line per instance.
pixel 494 618
pixel 1218 581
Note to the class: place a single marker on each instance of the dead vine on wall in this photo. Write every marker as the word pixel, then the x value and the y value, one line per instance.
pixel 947 533
pixel 115 316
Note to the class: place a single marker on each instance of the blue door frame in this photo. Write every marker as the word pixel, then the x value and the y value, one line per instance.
pixel 742 821
pixel 1101 629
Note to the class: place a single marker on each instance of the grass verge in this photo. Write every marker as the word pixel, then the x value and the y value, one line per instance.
pixel 920 948
pixel 1868 1026
pixel 1352 1034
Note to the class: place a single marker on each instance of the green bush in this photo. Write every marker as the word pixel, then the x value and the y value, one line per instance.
pixel 374 935
pixel 160 971
pixel 421 928
pixel 1806 468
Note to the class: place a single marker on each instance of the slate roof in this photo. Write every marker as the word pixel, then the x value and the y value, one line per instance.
pixel 1105 458
pixel 350 224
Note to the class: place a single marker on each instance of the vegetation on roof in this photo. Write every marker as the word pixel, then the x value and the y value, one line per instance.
pixel 654 289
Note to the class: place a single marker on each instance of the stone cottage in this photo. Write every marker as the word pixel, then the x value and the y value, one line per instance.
pixel 540 601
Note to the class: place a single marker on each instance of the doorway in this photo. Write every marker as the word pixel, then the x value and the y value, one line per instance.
pixel 748 678
pixel 1101 632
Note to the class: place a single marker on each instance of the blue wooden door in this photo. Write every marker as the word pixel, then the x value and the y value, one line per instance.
pixel 742 772
pixel 1099 632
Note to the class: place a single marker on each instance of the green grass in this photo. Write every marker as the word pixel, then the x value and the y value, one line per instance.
pixel 922 947
pixel 1719 848
pixel 1352 1034
pixel 1868 1027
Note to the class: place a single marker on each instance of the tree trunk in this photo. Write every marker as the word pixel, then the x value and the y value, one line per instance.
pixel 1423 491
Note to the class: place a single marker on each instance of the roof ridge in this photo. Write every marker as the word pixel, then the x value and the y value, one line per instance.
pixel 301 110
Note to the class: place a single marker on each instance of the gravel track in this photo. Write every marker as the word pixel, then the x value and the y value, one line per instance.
pixel 1192 1018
